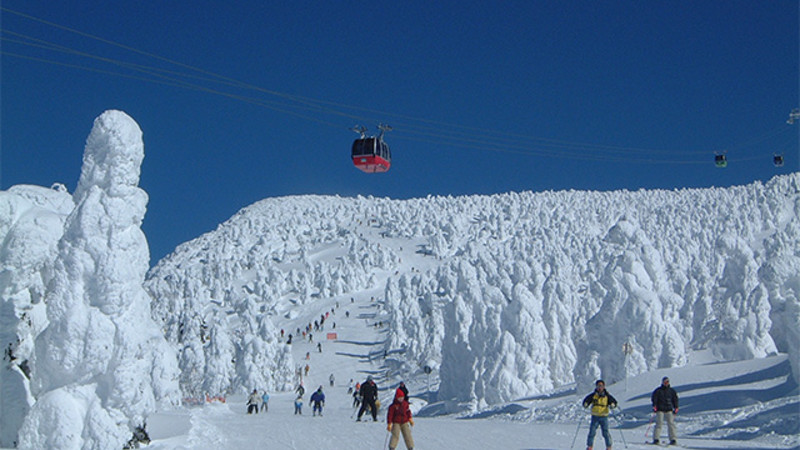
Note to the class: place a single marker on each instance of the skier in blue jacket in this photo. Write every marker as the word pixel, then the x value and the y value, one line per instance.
pixel 318 400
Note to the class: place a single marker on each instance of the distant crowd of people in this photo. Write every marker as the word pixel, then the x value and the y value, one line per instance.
pixel 399 419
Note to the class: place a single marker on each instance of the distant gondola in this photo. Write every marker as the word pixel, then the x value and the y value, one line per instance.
pixel 370 153
pixel 777 160
pixel 720 160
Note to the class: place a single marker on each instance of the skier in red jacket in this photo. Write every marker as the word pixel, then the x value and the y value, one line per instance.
pixel 399 421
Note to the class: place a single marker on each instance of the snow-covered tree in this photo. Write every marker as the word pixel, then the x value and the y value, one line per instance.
pixel 102 364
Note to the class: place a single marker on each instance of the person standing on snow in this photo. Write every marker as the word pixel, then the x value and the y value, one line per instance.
pixel 331 379
pixel 357 396
pixel 665 405
pixel 318 400
pixel 252 402
pixel 298 405
pixel 369 394
pixel 403 388
pixel 265 402
pixel 399 421
pixel 600 401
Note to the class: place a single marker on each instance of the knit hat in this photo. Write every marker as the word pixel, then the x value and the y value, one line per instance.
pixel 399 393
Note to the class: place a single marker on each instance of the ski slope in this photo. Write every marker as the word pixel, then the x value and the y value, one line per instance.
pixel 713 396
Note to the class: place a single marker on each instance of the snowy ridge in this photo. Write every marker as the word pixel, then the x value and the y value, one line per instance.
pixel 516 294
pixel 212 294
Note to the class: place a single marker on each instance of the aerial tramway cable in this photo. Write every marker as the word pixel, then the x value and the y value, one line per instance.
pixel 413 128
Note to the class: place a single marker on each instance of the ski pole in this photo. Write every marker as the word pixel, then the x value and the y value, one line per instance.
pixel 386 441
pixel 649 424
pixel 619 427
pixel 576 434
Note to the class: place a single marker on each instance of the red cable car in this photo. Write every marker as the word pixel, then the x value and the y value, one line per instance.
pixel 371 154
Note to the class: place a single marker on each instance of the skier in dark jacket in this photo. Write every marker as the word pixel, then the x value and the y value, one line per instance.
pixel 369 394
pixel 665 405
pixel 601 401
pixel 403 388
pixel 252 402
pixel 318 400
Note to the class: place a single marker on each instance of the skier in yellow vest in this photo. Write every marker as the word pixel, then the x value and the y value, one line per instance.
pixel 600 401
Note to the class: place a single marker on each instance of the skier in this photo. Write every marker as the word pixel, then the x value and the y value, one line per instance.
pixel 252 402
pixel 331 379
pixel 318 400
pixel 369 394
pixel 399 421
pixel 600 401
pixel 356 396
pixel 665 404
pixel 265 402
pixel 403 388
pixel 298 405
pixel 300 390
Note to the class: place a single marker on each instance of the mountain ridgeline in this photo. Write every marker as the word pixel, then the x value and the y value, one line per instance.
pixel 504 296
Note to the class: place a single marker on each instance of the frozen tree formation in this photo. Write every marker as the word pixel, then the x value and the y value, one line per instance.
pixel 101 364
pixel 31 222
pixel 509 295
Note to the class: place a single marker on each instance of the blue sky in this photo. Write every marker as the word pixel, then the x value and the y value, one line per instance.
pixel 484 97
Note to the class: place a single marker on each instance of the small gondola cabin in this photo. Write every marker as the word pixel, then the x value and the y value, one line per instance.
pixel 371 155
pixel 721 160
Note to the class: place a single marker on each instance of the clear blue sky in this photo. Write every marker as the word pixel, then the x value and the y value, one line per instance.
pixel 484 97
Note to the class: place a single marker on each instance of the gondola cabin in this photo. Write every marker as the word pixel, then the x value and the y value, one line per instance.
pixel 720 160
pixel 777 160
pixel 371 154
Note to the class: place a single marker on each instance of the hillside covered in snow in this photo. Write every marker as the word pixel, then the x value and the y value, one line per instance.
pixel 504 298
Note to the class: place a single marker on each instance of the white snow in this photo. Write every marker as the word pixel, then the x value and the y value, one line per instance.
pixel 101 363
pixel 517 302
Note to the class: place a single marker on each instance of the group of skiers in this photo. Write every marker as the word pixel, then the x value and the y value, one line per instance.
pixel 665 406
pixel 664 400
pixel 398 417
pixel 254 400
